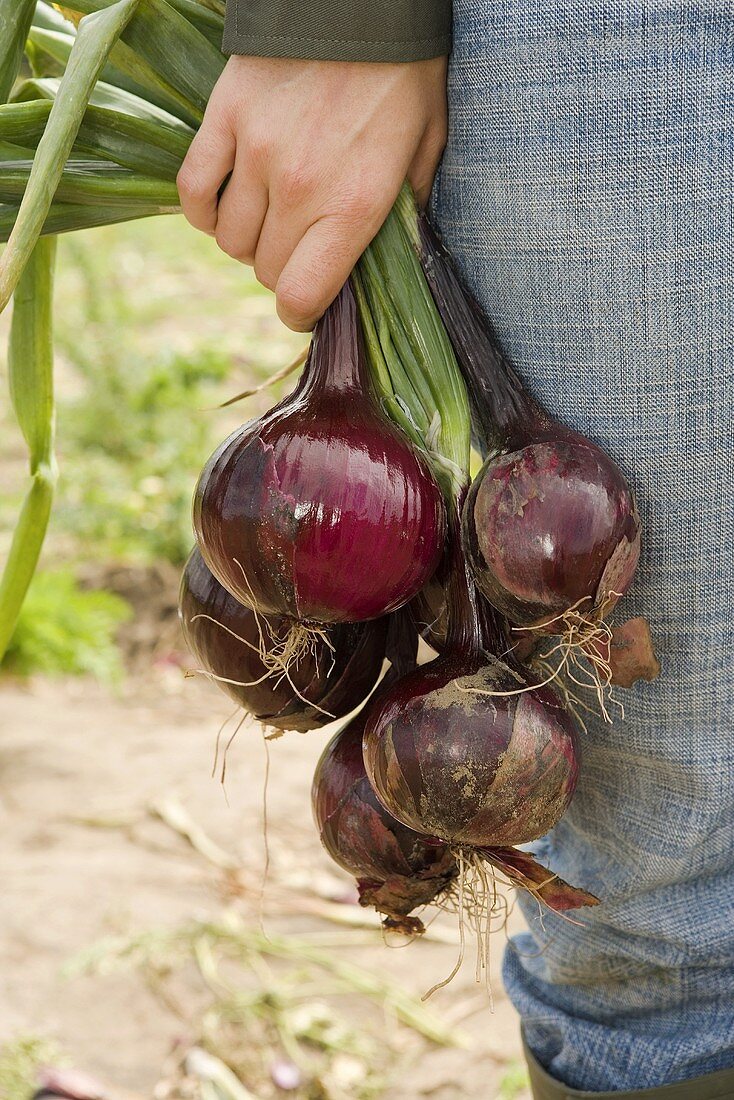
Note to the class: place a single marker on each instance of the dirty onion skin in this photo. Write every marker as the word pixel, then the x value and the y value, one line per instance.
pixel 322 511
pixel 396 869
pixel 468 749
pixel 451 756
pixel 329 680
pixel 550 525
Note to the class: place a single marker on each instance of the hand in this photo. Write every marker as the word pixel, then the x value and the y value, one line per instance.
pixel 317 152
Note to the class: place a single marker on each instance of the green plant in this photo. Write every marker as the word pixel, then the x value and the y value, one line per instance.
pixel 132 447
pixel 514 1082
pixel 19 1061
pixel 65 630
pixel 30 374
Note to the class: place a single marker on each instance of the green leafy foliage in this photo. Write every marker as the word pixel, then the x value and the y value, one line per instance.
pixel 15 18
pixel 63 630
pixel 136 448
pixel 89 53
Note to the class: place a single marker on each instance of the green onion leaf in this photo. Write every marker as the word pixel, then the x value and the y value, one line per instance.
pixel 162 38
pixel 397 308
pixel 97 183
pixel 30 366
pixel 143 145
pixel 96 37
pixel 15 19
pixel 66 217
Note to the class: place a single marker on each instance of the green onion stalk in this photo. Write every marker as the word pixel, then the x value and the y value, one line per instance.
pixel 103 142
pixel 30 369
pixel 412 362
pixel 97 35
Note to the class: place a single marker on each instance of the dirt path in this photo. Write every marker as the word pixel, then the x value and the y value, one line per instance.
pixel 82 858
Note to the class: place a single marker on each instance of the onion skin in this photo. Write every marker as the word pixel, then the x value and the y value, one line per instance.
pixel 322 511
pixel 451 760
pixel 336 682
pixel 396 869
pixel 549 527
pixel 550 523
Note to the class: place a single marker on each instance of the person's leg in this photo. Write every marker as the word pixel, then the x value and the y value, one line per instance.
pixel 587 191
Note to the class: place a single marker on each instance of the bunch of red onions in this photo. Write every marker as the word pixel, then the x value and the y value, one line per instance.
pixel 351 500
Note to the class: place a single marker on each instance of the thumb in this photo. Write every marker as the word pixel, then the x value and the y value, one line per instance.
pixel 422 171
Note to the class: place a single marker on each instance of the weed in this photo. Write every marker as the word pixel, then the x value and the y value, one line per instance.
pixel 63 630
pixel 20 1060
pixel 268 1001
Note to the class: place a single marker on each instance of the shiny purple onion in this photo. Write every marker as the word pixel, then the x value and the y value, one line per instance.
pixel 322 511
pixel 552 527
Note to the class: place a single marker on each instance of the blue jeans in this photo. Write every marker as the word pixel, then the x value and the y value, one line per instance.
pixel 587 192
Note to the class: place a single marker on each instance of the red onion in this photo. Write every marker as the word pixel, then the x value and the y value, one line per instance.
pixel 322 511
pixel 329 679
pixel 396 869
pixel 467 748
pixel 550 524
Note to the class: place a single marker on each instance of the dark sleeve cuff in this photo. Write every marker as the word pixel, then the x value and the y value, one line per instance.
pixel 339 30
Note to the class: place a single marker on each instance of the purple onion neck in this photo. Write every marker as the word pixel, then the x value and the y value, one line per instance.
pixel 504 415
pixel 336 362
pixel 474 627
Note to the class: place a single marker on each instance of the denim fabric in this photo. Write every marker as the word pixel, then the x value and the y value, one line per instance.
pixel 587 192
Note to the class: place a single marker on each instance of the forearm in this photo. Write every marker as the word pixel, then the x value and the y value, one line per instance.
pixel 339 30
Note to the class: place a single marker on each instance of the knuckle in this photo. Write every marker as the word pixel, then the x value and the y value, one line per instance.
pixel 260 147
pixel 359 208
pixel 296 182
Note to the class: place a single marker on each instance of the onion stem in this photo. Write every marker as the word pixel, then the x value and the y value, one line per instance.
pixel 406 338
pixel 68 217
pixel 30 365
pixel 89 184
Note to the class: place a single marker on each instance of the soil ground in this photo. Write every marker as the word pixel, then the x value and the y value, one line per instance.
pixel 83 856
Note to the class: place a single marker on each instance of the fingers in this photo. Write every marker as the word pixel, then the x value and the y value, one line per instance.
pixel 315 153
pixel 320 265
pixel 307 265
pixel 208 162
pixel 242 210
pixel 296 192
